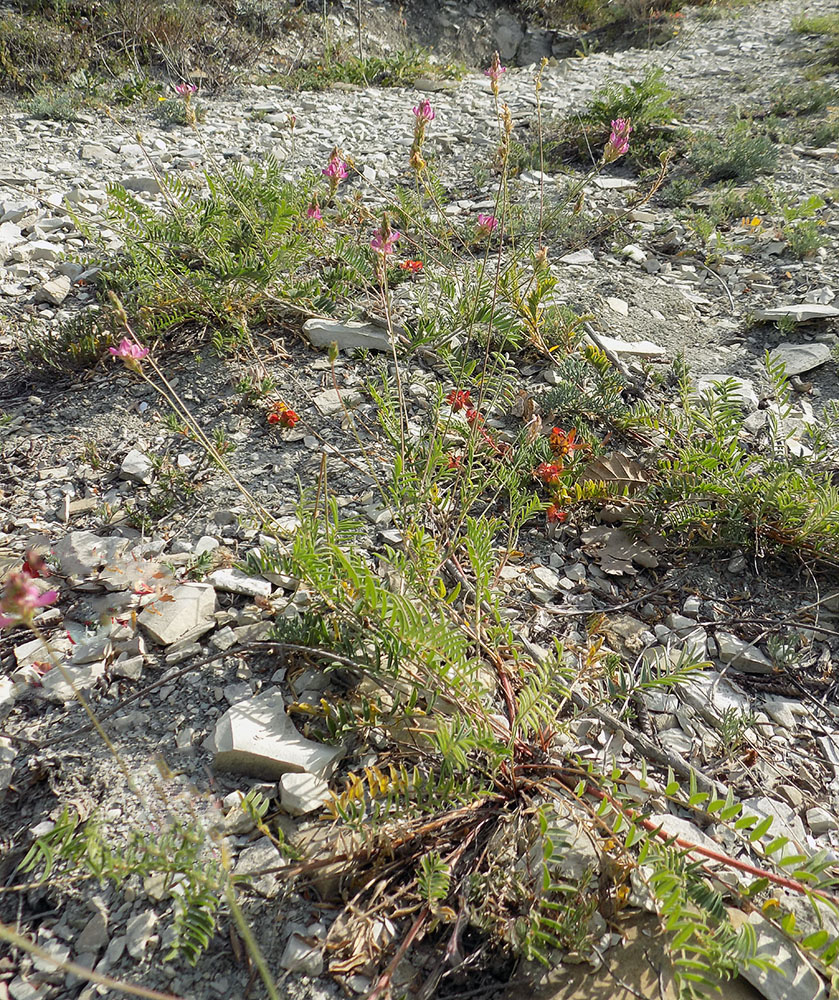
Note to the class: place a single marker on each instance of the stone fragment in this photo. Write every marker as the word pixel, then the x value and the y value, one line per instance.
pixel 637 348
pixel 792 978
pixel 137 467
pixel 138 933
pixel 234 581
pixel 578 257
pixel 252 863
pixel 257 738
pixel 800 358
pixel 322 332
pixel 302 793
pixel 300 956
pixel 94 935
pixel 821 821
pixel 57 684
pixel 543 583
pixel 801 313
pixel 55 291
pixel 224 639
pixel 57 950
pixel 43 250
pixel 185 613
pixel 331 401
pixel 147 184
pixel 742 655
pixel 619 306
pixel 82 552
pixel 743 389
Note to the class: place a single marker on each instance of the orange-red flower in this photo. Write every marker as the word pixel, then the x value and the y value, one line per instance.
pixel 548 473
pixel 459 399
pixel 411 265
pixel 562 443
pixel 282 415
pixel 555 515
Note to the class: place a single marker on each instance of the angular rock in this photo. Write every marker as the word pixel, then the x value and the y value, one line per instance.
pixel 801 313
pixel 54 292
pixel 300 956
pixel 254 860
pixel 186 613
pixel 638 348
pixel 743 392
pixel 257 738
pixel 793 977
pixel 137 467
pixel 578 257
pixel 138 933
pixel 234 581
pixel 332 401
pixel 58 685
pixel 821 821
pixel 94 935
pixel 82 552
pixel 43 250
pixel 302 793
pixel 741 655
pixel 800 358
pixel 322 332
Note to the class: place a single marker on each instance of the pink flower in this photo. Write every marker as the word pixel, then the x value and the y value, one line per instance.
pixel 313 211
pixel 618 143
pixel 21 599
pixel 185 89
pixel 335 170
pixel 424 111
pixel 130 352
pixel 486 225
pixel 494 72
pixel 383 241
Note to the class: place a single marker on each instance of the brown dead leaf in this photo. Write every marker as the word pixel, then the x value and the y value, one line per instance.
pixel 617 551
pixel 616 468
pixel 524 406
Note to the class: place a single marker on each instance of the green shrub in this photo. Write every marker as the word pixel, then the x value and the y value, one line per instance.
pixel 740 154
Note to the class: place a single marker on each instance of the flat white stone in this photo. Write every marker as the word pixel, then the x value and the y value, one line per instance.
pixel 793 978
pixel 799 313
pixel 234 581
pixel 618 306
pixel 741 656
pixel 744 391
pixel 257 738
pixel 82 552
pixel 332 401
pixel 55 291
pixel 58 685
pixel 799 358
pixel 578 257
pixel 137 467
pixel 322 332
pixel 302 793
pixel 185 613
pixel 640 348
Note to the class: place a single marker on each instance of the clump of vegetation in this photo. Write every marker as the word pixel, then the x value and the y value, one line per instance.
pixel 397 69
pixel 826 28
pixel 648 103
pixel 740 153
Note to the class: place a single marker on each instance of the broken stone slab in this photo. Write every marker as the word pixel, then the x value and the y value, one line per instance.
pixel 234 581
pixel 800 358
pixel 81 553
pixel 821 821
pixel 302 793
pixel 323 332
pixel 301 956
pixel 139 933
pixel 253 862
pixel 137 467
pixel 793 977
pixel 638 348
pixel 184 614
pixel 332 401
pixel 60 685
pixel 802 313
pixel 743 390
pixel 257 738
pixel 741 655
pixel 55 291
pixel 578 257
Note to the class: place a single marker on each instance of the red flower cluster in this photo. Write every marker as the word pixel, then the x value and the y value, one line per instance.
pixel 411 265
pixel 562 443
pixel 548 473
pixel 282 415
pixel 555 515
pixel 460 399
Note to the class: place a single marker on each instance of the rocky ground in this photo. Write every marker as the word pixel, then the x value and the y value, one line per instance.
pixel 192 681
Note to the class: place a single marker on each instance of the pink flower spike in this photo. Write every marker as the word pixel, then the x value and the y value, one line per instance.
pixel 618 143
pixel 336 170
pixel 185 89
pixel 21 599
pixel 424 111
pixel 383 243
pixel 494 72
pixel 314 212
pixel 487 224
pixel 129 351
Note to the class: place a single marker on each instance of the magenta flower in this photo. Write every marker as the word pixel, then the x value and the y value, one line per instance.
pixel 21 599
pixel 487 224
pixel 383 241
pixel 130 353
pixel 335 170
pixel 185 89
pixel 494 72
pixel 313 211
pixel 424 112
pixel 618 143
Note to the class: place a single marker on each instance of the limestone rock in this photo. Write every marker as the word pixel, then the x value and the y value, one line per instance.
pixel 55 291
pixel 741 655
pixel 184 614
pixel 322 332
pixel 332 401
pixel 800 358
pixel 82 552
pixel 302 793
pixel 793 978
pixel 300 956
pixel 138 933
pixel 801 313
pixel 137 467
pixel 257 738
pixel 234 581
